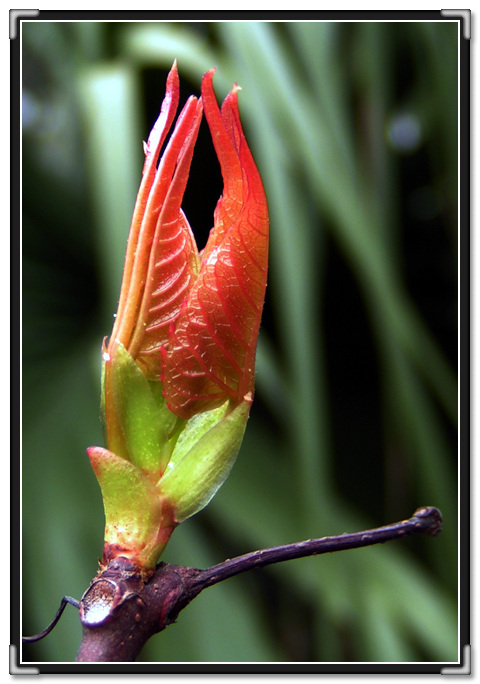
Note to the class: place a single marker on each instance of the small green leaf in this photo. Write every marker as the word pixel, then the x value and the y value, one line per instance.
pixel 203 458
pixel 195 428
pixel 137 520
pixel 148 426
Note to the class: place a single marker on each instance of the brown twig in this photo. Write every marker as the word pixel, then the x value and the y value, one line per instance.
pixel 120 612
pixel 426 520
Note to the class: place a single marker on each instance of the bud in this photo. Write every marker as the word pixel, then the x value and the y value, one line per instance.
pixel 178 373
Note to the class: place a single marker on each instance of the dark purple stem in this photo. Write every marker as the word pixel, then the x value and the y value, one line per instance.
pixel 120 611
pixel 426 520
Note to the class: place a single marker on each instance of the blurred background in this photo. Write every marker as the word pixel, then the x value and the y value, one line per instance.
pixel 354 130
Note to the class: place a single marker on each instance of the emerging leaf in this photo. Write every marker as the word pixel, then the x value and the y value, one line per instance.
pixel 210 353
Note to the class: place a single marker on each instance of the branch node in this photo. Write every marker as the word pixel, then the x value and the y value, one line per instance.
pixel 430 520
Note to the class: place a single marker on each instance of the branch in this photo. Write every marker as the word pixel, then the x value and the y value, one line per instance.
pixel 426 520
pixel 120 612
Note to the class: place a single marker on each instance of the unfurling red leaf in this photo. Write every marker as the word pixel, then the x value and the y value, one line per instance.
pixel 210 353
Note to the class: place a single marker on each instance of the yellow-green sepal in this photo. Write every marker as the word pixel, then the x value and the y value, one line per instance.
pixel 138 522
pixel 148 427
pixel 203 457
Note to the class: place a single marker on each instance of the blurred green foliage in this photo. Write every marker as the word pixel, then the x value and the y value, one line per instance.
pixel 354 129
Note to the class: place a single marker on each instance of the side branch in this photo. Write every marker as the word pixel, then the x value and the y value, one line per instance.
pixel 425 520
